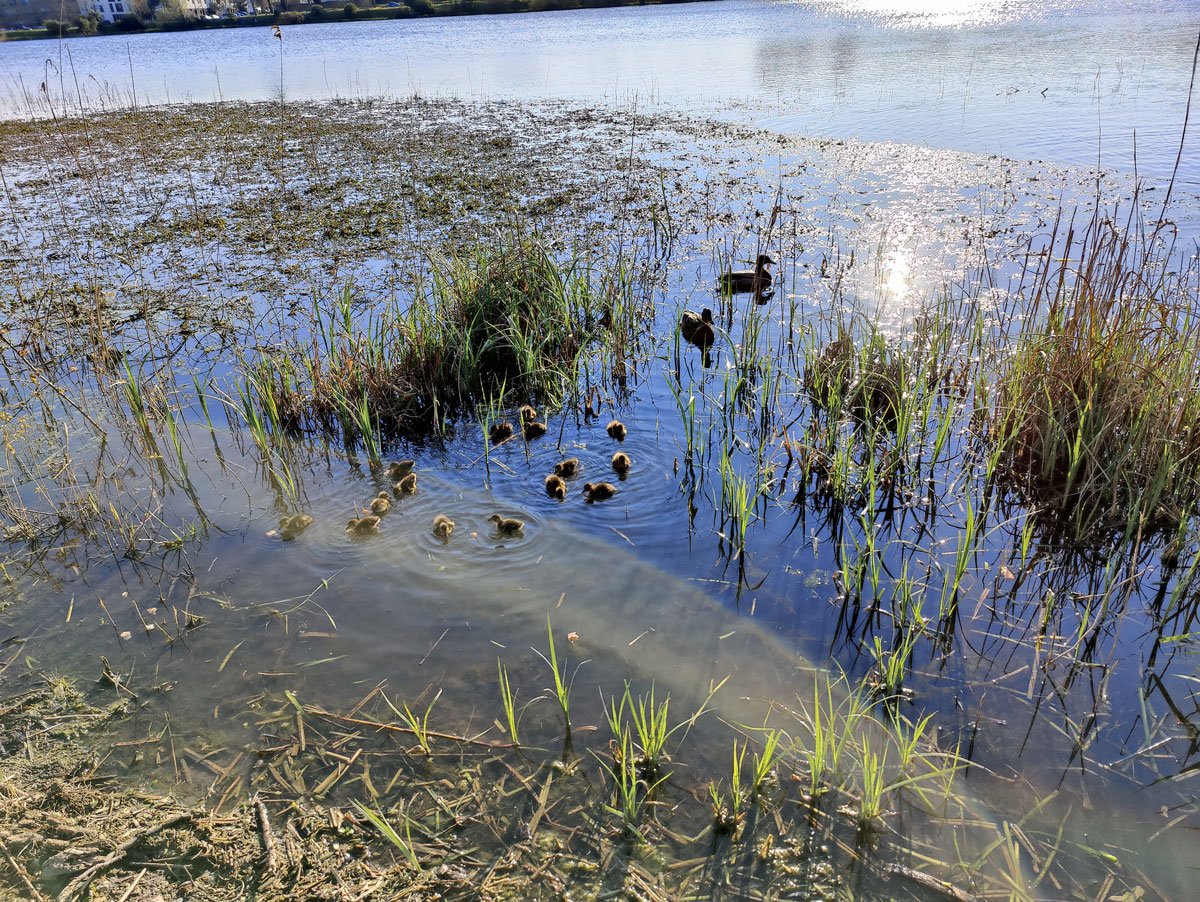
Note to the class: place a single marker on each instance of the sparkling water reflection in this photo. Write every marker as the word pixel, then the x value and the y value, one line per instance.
pixel 1056 80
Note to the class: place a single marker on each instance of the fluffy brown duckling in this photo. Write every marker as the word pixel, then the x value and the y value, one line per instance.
pixel 290 527
pixel 397 470
pixel 528 413
pixel 500 432
pixel 697 328
pixel 406 486
pixel 568 468
pixel 616 429
pixel 508 526
pixel 533 429
pixel 381 503
pixel 621 464
pixel 555 487
pixel 598 491
pixel 366 525
pixel 443 526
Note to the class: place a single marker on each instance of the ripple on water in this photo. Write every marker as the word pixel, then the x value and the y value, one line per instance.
pixel 635 514
pixel 405 551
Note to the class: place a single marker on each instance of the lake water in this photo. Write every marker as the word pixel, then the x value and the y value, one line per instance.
pixel 1064 81
pixel 643 580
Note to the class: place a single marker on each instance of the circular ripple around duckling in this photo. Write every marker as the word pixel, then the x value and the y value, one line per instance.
pixel 475 544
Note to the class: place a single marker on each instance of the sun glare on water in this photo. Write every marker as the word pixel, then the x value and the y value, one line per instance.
pixel 936 13
pixel 897 271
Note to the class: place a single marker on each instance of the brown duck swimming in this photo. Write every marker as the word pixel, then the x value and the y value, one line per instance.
pixel 568 468
pixel 406 486
pixel 500 432
pixel 697 328
pixel 366 525
pixel 397 470
pixel 528 413
pixel 533 429
pixel 743 281
pixel 443 526
pixel 290 527
pixel 616 429
pixel 381 503
pixel 508 526
pixel 621 463
pixel 598 491
pixel 555 487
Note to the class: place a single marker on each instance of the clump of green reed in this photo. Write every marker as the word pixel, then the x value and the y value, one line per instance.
pixel 631 789
pixel 507 312
pixel 858 373
pixel 849 751
pixel 508 699
pixel 403 843
pixel 562 683
pixel 1097 411
pixel 417 725
pixel 649 720
pixel 766 761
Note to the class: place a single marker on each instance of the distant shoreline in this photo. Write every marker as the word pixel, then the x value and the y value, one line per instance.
pixel 335 12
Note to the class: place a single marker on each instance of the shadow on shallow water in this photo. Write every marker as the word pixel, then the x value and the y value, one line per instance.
pixel 214 638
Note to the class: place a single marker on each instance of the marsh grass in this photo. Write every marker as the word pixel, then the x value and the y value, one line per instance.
pixel 508 313
pixel 1097 411
pixel 563 683
pixel 649 722
pixel 508 700
pixel 418 724
pixel 383 825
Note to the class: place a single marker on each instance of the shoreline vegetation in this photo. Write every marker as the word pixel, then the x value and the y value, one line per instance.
pixel 317 13
pixel 979 499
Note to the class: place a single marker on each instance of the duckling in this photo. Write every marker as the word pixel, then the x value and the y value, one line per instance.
pixel 528 413
pixel 508 526
pixel 381 503
pixel 621 463
pixel 533 429
pixel 568 468
pixel 397 470
pixel 406 486
pixel 743 281
pixel 697 329
pixel 366 525
pixel 617 430
pixel 290 527
pixel 555 487
pixel 500 432
pixel 443 526
pixel 598 491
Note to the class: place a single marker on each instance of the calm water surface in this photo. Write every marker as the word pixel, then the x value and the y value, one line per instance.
pixel 1061 80
pixel 640 579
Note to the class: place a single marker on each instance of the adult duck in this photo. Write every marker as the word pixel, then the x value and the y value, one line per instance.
pixel 697 328
pixel 743 281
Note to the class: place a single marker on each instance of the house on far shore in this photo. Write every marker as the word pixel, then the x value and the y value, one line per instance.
pixel 109 10
pixel 31 13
